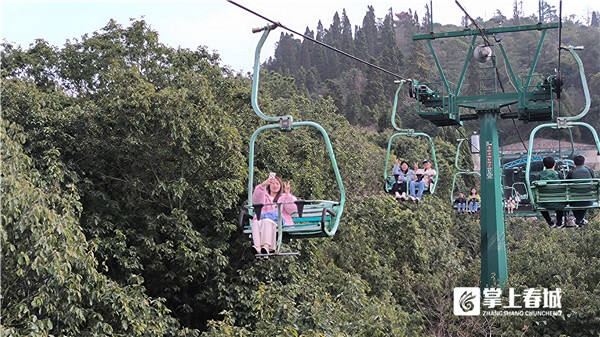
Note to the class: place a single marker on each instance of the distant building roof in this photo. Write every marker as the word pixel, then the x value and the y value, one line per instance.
pixel 542 144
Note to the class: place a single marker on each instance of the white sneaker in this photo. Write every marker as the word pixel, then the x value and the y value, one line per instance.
pixel 570 223
pixel 412 198
pixel 398 195
pixel 403 196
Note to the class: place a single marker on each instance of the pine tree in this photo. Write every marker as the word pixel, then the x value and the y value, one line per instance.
pixel 595 20
pixel 319 58
pixel 285 54
pixel 347 41
pixel 306 48
pixel 333 37
pixel 516 14
pixel 361 46
pixel 391 56
pixel 369 28
pixel 372 95
pixel 426 19
pixel 419 64
pixel 353 108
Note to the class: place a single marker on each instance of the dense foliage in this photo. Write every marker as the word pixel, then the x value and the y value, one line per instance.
pixel 124 168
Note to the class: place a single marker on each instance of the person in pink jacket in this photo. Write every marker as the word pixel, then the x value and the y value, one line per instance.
pixel 269 193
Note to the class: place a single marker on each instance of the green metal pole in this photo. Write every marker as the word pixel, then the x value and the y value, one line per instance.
pixel 510 70
pixel 537 56
pixel 494 269
pixel 467 60
pixel 439 67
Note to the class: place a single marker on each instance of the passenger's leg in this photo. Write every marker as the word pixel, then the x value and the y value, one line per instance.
pixel 412 188
pixel 268 234
pixel 579 215
pixel 546 216
pixel 255 227
pixel 403 187
pixel 559 218
pixel 421 185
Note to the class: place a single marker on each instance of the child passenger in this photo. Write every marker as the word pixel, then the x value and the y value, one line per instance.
pixel 461 203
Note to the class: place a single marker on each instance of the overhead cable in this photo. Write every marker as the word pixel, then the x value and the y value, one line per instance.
pixel 278 24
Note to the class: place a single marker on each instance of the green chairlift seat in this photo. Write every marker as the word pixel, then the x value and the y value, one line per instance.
pixel 461 172
pixel 388 180
pixel 566 194
pixel 315 218
pixel 572 194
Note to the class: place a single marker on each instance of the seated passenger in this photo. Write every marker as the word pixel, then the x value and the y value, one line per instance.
pixel 580 172
pixel 549 173
pixel 474 201
pixel 461 203
pixel 423 177
pixel 264 230
pixel 402 175
pixel 510 205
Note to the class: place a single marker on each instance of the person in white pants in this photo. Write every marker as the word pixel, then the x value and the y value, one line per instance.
pixel 269 193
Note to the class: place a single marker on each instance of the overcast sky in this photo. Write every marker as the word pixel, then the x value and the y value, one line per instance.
pixel 223 27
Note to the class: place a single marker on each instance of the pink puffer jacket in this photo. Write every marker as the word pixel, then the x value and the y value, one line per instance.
pixel 261 196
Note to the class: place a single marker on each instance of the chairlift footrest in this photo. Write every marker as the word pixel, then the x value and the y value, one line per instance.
pixel 278 254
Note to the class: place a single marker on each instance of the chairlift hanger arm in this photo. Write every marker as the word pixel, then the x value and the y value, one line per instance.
pixel 400 83
pixel 586 90
pixel 256 77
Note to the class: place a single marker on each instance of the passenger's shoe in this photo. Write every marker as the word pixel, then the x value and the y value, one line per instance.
pixel 398 196
pixel 403 196
pixel 571 224
pixel 583 222
pixel 412 198
pixel 264 251
pixel 553 224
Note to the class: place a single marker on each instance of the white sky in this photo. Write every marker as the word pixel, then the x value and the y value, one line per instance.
pixel 223 27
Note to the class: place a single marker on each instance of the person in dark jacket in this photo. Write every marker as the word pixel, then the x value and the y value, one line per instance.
pixel 580 172
pixel 549 173
pixel 461 203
